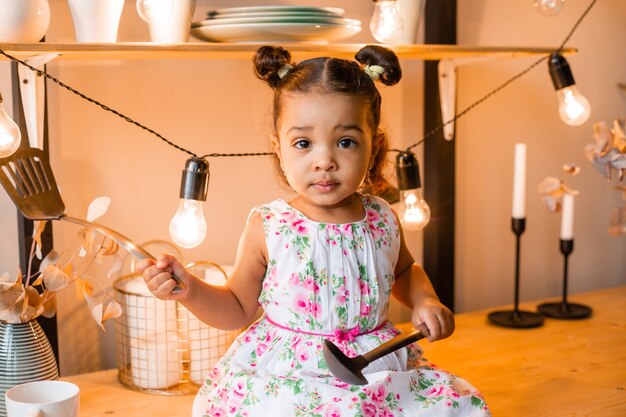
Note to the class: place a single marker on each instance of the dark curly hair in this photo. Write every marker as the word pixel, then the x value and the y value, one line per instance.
pixel 334 75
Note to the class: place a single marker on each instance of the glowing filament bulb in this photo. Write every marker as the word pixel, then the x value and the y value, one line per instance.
pixel 574 108
pixel 152 11
pixel 549 7
pixel 414 211
pixel 10 135
pixel 386 24
pixel 188 226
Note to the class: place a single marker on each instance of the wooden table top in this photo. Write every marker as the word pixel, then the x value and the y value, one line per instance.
pixel 564 368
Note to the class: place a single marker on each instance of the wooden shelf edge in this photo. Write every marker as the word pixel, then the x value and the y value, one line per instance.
pixel 205 50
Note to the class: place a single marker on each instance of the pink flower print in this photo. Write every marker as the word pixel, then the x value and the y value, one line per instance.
pixel 247 338
pixel 215 373
pixel 301 304
pixel 233 406
pixel 260 349
pixel 299 227
pixel 294 279
pixel 368 409
pixel 378 394
pixel 372 216
pixel 340 384
pixel 216 412
pixel 315 309
pixel 347 230
pixel 332 411
pixel 342 295
pixel 365 309
pixel 364 287
pixel 386 413
pixel 309 283
pixel 240 390
pixel 448 403
pixel 436 391
pixel 302 354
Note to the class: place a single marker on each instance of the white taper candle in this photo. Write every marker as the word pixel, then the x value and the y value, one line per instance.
pixel 567 217
pixel 519 182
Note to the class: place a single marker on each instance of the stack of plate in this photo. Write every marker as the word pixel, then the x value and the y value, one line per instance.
pixel 275 24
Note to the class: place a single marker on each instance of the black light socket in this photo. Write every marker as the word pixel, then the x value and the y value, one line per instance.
pixel 195 181
pixel 560 71
pixel 408 171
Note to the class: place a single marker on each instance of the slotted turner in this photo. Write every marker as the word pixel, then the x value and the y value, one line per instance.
pixel 349 369
pixel 28 179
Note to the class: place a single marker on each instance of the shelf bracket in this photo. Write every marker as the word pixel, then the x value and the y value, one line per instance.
pixel 33 105
pixel 446 69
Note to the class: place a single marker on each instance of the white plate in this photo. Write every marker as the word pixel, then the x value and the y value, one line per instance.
pixel 273 9
pixel 275 32
pixel 270 14
pixel 279 19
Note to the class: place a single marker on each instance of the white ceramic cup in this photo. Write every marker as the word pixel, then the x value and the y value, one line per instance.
pixel 96 20
pixel 411 11
pixel 43 399
pixel 176 27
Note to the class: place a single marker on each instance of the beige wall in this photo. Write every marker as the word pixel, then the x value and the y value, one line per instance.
pixel 219 106
pixel 526 112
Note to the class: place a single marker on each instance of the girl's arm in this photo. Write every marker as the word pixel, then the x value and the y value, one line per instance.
pixel 413 288
pixel 229 307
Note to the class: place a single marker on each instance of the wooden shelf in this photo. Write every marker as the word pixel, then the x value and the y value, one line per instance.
pixel 146 50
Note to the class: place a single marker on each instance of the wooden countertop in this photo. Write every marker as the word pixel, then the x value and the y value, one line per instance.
pixel 564 368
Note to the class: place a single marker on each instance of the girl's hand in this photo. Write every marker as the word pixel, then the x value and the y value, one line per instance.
pixel 158 276
pixel 434 319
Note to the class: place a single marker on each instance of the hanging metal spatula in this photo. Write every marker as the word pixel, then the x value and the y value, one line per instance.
pixel 349 369
pixel 28 179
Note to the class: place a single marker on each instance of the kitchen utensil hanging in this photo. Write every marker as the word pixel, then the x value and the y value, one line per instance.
pixel 27 177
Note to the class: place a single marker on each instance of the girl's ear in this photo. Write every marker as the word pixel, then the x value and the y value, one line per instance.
pixel 276 146
pixel 377 142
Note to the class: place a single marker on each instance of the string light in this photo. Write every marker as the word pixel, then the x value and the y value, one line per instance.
pixel 414 212
pixel 10 135
pixel 386 24
pixel 188 226
pixel 200 231
pixel 574 108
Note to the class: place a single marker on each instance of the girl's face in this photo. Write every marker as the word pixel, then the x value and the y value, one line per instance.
pixel 325 146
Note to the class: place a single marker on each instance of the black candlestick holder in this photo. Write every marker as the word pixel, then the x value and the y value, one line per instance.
pixel 516 318
pixel 565 310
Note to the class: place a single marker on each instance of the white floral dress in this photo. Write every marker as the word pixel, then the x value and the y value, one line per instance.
pixel 328 281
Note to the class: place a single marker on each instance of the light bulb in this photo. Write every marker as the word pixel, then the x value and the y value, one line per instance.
pixel 549 7
pixel 10 135
pixel 414 211
pixel 386 24
pixel 574 108
pixel 153 11
pixel 188 226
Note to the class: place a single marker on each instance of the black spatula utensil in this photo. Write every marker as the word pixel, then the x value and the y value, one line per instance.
pixel 28 179
pixel 349 369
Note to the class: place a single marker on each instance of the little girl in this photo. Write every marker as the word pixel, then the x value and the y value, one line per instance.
pixel 321 265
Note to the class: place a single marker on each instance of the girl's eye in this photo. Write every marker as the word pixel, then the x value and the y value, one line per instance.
pixel 302 144
pixel 346 143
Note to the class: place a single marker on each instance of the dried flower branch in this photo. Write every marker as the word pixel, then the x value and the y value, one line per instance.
pixel 27 297
pixel 552 190
pixel 608 152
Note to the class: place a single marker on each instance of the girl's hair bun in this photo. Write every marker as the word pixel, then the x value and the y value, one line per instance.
pixel 268 60
pixel 386 58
